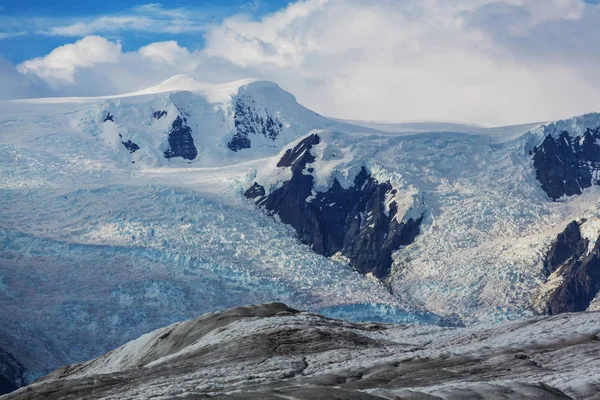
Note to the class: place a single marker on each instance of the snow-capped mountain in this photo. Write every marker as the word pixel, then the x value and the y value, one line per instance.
pixel 122 214
pixel 271 351
pixel 179 120
pixel 109 229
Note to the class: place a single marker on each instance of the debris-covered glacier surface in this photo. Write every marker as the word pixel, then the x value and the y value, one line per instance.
pixel 272 351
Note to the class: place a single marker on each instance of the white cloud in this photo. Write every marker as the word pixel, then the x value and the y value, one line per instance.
pixel 167 52
pixel 149 8
pixel 62 62
pixel 102 24
pixel 97 66
pixel 7 35
pixel 144 18
pixel 484 61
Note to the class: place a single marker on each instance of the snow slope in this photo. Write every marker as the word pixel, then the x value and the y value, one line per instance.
pixel 95 246
pixel 271 351
pixel 209 110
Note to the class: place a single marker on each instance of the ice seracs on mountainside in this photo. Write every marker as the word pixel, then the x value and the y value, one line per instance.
pixel 127 213
pixel 360 221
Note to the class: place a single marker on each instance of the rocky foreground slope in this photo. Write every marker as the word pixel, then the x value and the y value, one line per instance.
pixel 272 351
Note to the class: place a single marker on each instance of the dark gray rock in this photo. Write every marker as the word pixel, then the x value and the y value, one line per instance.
pixel 248 123
pixel 239 141
pixel 255 191
pixel 580 271
pixel 109 117
pixel 566 165
pixel 159 114
pixel 300 155
pixel 350 221
pixel 11 373
pixel 181 143
pixel 131 146
pixel 568 244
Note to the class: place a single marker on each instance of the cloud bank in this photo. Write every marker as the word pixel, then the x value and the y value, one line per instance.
pixel 481 61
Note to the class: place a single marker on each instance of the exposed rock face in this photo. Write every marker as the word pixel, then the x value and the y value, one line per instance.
pixel 181 143
pixel 249 123
pixel 353 221
pixel 131 146
pixel 579 272
pixel 239 141
pixel 109 117
pixel 568 244
pixel 159 114
pixel 11 373
pixel 271 351
pixel 566 165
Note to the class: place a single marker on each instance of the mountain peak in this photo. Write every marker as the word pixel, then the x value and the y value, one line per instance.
pixel 215 92
pixel 176 83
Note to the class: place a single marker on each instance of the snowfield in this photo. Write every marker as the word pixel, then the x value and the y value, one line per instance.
pixel 99 244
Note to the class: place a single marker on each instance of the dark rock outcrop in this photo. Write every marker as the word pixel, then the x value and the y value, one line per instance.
pixel 181 143
pixel 353 221
pixel 131 146
pixel 159 114
pixel 248 122
pixel 569 243
pixel 580 272
pixel 109 117
pixel 300 155
pixel 11 373
pixel 239 141
pixel 566 165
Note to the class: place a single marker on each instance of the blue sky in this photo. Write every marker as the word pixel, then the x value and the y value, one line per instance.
pixel 26 18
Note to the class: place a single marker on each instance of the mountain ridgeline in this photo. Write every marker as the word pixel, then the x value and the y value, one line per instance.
pixel 210 126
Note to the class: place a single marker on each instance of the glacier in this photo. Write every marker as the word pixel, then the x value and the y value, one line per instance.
pixel 100 244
